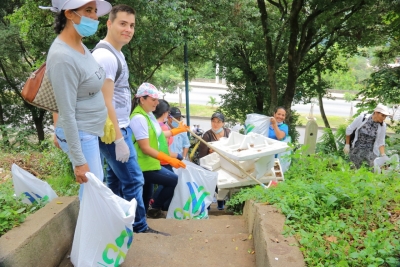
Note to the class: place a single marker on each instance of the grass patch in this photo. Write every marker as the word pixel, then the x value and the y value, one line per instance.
pixel 197 110
pixel 334 121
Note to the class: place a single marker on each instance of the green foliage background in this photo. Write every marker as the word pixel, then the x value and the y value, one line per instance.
pixel 340 216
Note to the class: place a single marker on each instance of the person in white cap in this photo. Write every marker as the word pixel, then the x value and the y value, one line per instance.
pixel 77 80
pixel 369 132
pixel 152 148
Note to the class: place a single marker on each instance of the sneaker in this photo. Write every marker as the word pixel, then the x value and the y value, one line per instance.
pixel 155 213
pixel 152 231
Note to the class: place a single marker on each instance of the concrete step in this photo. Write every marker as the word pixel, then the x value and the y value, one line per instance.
pixel 222 242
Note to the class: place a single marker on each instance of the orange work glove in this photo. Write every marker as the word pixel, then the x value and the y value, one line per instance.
pixel 180 129
pixel 176 163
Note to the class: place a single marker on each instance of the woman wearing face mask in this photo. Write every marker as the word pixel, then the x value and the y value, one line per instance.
pixel 216 132
pixel 77 80
pixel 278 130
pixel 161 113
pixel 152 148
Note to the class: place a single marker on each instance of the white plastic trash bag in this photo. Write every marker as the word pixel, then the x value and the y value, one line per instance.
pixel 193 193
pixel 33 188
pixel 393 161
pixel 257 123
pixel 104 231
pixel 284 157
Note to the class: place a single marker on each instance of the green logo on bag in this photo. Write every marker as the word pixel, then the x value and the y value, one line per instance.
pixel 113 254
pixel 39 198
pixel 198 205
pixel 248 128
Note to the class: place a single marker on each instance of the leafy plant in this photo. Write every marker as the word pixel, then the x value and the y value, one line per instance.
pixel 340 216
pixel 212 102
pixel 12 210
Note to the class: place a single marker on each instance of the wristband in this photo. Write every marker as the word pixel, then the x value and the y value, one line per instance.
pixel 179 156
pixel 119 140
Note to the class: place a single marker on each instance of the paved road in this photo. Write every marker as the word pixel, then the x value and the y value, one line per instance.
pixel 200 94
pixel 205 124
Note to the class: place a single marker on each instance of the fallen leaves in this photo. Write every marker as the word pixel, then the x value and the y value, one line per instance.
pixel 332 239
pixel 250 251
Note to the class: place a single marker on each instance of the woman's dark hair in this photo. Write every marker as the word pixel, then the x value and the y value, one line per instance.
pixel 162 107
pixel 136 101
pixel 60 22
pixel 277 108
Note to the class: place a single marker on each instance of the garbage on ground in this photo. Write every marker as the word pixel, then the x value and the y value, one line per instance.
pixel 385 164
pixel 253 152
pixel 34 189
pixel 103 231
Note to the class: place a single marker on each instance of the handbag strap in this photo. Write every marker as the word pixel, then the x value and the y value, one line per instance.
pixel 105 46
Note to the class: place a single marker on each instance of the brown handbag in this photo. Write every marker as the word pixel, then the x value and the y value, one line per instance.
pixel 38 91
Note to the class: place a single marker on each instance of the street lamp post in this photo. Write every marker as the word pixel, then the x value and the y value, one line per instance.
pixel 185 55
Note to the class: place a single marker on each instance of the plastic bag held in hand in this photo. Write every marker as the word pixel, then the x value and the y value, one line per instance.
pixel 176 163
pixel 180 129
pixel 346 149
pixel 109 132
pixel 121 150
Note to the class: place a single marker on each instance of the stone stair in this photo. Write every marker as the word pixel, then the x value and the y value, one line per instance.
pixel 45 239
pixel 219 241
pixel 222 240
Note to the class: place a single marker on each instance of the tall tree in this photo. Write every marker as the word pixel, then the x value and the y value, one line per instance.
pixel 268 45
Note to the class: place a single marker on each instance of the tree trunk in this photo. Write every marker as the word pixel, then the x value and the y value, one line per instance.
pixel 322 111
pixel 4 135
pixel 294 56
pixel 270 57
pixel 39 125
pixel 260 101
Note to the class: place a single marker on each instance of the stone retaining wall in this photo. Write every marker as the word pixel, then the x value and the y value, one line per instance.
pixel 46 236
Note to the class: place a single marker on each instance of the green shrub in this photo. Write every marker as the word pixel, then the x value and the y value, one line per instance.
pixel 340 216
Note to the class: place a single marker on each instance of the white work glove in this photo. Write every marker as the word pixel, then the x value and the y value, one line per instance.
pixel 346 149
pixel 121 150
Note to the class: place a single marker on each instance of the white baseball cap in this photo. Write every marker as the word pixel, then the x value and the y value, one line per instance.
pixel 382 109
pixel 103 7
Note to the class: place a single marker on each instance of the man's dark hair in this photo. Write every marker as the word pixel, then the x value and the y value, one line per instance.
pixel 120 8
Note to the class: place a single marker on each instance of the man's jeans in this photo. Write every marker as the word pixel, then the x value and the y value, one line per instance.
pixel 90 149
pixel 168 179
pixel 126 179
